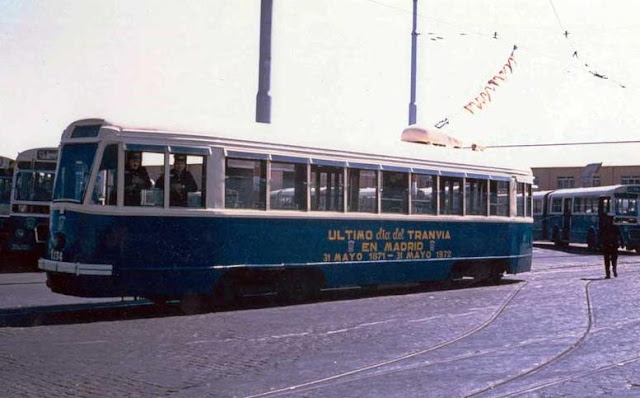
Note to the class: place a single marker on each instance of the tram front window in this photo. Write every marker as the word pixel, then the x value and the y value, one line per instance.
pixel 104 191
pixel 76 161
pixel 34 186
pixel 5 190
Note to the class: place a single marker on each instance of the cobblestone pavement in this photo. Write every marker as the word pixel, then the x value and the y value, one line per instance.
pixel 560 330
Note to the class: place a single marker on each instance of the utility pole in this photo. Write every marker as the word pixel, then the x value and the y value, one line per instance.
pixel 413 109
pixel 263 100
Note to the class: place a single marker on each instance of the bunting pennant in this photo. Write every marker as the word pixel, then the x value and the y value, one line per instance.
pixel 482 100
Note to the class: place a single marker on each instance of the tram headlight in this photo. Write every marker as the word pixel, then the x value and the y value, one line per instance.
pixel 58 241
pixel 19 233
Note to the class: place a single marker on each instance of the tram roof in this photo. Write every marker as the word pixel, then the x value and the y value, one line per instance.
pixel 266 138
pixel 43 154
pixel 594 191
pixel 5 162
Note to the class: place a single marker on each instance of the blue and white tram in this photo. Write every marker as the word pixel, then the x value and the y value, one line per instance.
pixel 574 215
pixel 283 218
pixel 27 227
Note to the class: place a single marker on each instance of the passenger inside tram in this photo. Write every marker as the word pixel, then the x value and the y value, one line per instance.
pixel 181 182
pixel 136 178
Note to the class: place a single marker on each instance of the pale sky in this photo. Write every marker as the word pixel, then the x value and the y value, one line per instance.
pixel 340 70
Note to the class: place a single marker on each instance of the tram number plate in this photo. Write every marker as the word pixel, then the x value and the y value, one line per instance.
pixel 55 255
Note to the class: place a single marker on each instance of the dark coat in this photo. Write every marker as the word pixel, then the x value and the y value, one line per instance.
pixel 610 236
pixel 135 180
pixel 181 183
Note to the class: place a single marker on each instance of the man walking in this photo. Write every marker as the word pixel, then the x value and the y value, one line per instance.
pixel 610 239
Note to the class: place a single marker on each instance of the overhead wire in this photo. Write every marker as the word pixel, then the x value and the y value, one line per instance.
pixel 575 53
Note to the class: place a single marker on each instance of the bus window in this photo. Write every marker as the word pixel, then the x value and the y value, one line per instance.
pixel 327 186
pixel 592 205
pixel 288 186
pixel 76 161
pixel 476 197
pixel 105 188
pixel 450 195
pixel 394 192
pixel 141 170
pixel 626 206
pixel 556 205
pixel 363 191
pixel 245 184
pixel 579 205
pixel 499 198
pixel 5 190
pixel 186 181
pixel 422 196
pixel 537 206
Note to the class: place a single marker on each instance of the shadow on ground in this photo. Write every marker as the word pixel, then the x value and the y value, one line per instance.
pixel 142 309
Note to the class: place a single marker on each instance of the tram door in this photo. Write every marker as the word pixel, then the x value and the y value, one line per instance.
pixel 566 220
pixel 604 205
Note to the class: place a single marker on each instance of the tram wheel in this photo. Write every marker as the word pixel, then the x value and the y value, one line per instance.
pixel 191 304
pixel 158 300
pixel 225 293
pixel 298 286
pixel 494 279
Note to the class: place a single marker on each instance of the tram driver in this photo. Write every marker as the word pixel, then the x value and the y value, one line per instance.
pixel 136 178
pixel 181 182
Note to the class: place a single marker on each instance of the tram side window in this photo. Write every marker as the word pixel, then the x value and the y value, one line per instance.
pixel 245 184
pixel 499 198
pixel 520 199
pixel 105 188
pixel 527 202
pixel 451 195
pixel 327 186
pixel 363 191
pixel 476 197
pixel 186 179
pixel 423 200
pixel 142 169
pixel 288 186
pixel 394 192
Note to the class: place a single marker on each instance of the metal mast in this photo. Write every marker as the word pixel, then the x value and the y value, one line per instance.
pixel 263 100
pixel 414 50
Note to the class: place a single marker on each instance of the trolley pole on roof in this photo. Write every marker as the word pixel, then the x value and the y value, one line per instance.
pixel 263 100
pixel 413 109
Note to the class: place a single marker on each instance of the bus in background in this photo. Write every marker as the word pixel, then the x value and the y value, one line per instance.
pixel 539 223
pixel 6 176
pixel 27 228
pixel 575 215
pixel 269 218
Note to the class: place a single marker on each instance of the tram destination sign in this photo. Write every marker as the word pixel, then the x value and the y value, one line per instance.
pixel 47 154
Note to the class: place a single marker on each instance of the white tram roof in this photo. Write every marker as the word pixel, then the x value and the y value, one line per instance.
pixel 5 163
pixel 269 139
pixel 593 191
pixel 44 154
pixel 540 194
